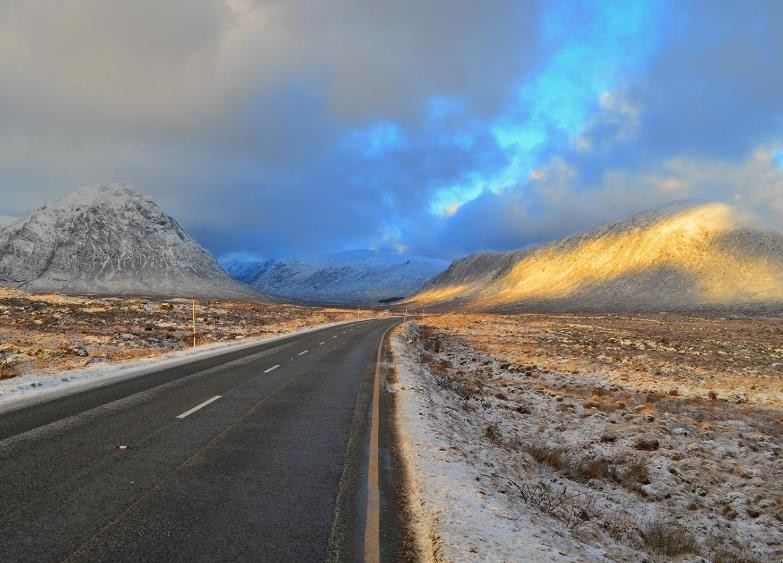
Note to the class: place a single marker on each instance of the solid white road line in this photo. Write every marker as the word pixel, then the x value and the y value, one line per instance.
pixel 201 406
pixel 273 368
pixel 302 353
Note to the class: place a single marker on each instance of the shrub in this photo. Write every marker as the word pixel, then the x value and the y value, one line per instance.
pixel 570 508
pixel 546 454
pixel 493 433
pixel 628 471
pixel 668 538
pixel 730 555
pixel 7 371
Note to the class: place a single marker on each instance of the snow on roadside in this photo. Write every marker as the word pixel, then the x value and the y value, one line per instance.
pixel 36 387
pixel 457 516
pixel 515 462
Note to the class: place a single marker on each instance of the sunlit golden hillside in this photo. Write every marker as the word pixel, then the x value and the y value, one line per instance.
pixel 681 256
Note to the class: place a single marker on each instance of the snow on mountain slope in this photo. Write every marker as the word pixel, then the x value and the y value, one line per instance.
pixel 109 240
pixel 246 271
pixel 677 257
pixel 351 278
pixel 7 221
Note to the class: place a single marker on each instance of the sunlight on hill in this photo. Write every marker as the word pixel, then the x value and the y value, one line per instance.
pixel 692 243
pixel 438 294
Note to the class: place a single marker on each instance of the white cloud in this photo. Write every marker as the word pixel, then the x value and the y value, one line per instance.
pixel 556 201
pixel 617 120
pixel 754 183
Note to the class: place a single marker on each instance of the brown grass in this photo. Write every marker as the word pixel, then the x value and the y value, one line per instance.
pixel 667 537
pixel 629 471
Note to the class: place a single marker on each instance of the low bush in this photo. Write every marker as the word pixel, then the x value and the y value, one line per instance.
pixel 570 508
pixel 731 555
pixel 667 537
pixel 629 471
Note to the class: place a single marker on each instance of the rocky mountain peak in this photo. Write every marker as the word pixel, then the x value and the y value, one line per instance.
pixel 109 239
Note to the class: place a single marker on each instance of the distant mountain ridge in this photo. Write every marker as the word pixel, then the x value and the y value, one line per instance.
pixel 109 240
pixel 355 277
pixel 681 256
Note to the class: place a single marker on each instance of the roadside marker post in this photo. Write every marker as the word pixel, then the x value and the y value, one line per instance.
pixel 194 322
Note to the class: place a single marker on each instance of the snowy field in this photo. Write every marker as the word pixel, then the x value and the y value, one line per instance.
pixel 51 341
pixel 525 447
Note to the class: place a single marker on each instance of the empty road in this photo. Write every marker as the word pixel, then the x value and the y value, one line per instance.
pixel 262 454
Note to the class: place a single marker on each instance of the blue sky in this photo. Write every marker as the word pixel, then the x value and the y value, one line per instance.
pixel 437 128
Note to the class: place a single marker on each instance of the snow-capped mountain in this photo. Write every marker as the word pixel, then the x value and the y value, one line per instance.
pixel 681 256
pixel 246 271
pixel 344 278
pixel 109 240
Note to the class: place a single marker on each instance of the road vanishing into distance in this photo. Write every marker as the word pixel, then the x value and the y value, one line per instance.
pixel 260 454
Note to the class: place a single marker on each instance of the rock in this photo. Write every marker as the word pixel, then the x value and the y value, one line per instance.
pixel 700 490
pixel 16 358
pixel 647 444
pixel 80 351
pixel 656 492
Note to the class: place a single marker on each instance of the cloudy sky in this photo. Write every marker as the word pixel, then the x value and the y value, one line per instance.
pixel 435 127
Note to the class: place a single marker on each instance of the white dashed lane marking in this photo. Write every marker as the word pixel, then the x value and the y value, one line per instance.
pixel 199 406
pixel 273 368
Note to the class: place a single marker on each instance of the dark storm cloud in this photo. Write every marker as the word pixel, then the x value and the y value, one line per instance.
pixel 278 128
pixel 717 87
pixel 235 115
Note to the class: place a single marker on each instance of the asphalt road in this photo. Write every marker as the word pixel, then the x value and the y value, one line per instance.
pixel 253 455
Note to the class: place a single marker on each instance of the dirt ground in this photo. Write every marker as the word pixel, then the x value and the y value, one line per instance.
pixel 52 333
pixel 645 436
